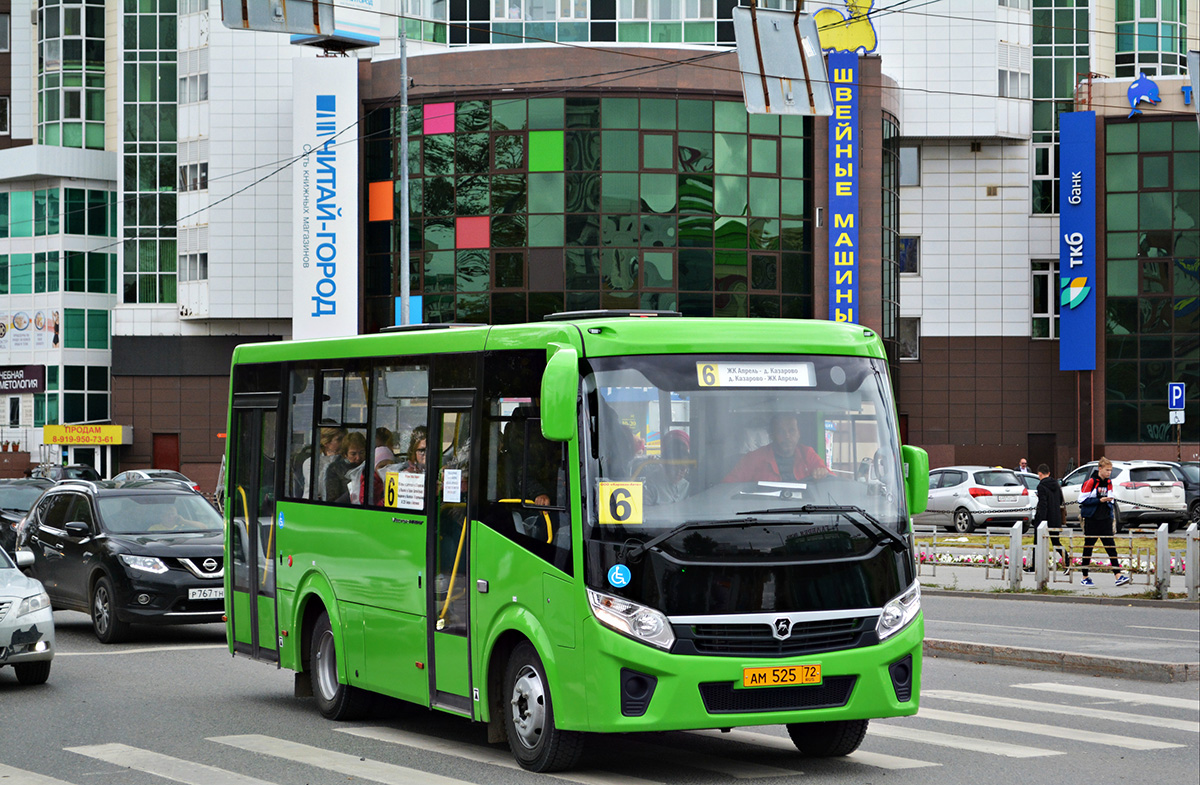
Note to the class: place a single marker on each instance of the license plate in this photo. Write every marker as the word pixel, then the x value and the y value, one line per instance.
pixel 1160 489
pixel 781 677
pixel 1008 499
pixel 217 593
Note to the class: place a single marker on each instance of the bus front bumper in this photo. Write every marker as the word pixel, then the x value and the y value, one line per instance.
pixel 636 687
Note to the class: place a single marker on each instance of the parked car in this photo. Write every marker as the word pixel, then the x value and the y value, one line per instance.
pixel 964 497
pixel 1030 479
pixel 134 475
pixel 26 622
pixel 1144 492
pixel 16 497
pixel 128 555
pixel 1188 473
pixel 75 471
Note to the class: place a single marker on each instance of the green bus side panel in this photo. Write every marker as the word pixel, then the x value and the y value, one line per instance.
pixel 560 612
pixel 241 616
pixel 452 666
pixel 394 643
pixel 266 623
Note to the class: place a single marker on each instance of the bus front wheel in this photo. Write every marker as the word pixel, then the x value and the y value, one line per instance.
pixel 336 701
pixel 827 739
pixel 529 719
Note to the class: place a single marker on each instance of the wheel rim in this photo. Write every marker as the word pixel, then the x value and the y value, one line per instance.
pixel 326 668
pixel 962 521
pixel 101 609
pixel 529 706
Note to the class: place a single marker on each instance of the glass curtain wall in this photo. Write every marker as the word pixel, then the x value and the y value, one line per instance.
pixel 1151 37
pixel 1061 49
pixel 71 73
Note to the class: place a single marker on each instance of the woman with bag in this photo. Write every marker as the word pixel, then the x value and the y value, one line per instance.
pixel 1096 510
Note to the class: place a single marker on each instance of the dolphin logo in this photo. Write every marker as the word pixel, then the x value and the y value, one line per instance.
pixel 1142 89
pixel 1074 292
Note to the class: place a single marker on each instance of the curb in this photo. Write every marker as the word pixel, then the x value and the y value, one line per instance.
pixel 1141 602
pixel 1065 662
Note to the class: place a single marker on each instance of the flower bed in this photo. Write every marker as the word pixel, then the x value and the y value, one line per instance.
pixel 1139 566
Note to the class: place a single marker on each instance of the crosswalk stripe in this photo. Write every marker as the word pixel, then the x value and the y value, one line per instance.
pixel 1116 695
pixel 164 765
pixel 487 755
pixel 957 742
pixel 331 760
pixel 874 759
pixel 1053 731
pixel 698 760
pixel 1048 708
pixel 11 776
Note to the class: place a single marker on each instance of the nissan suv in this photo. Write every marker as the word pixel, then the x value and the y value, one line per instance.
pixel 1144 492
pixel 148 554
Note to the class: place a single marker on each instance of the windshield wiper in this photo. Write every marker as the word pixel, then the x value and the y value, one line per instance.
pixel 642 547
pixel 864 522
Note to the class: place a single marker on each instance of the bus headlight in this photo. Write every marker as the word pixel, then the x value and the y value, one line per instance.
pixel 629 618
pixel 899 612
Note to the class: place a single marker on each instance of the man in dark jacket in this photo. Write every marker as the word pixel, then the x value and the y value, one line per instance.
pixel 1049 509
pixel 1099 523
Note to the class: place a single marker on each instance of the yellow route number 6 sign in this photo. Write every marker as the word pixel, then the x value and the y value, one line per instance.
pixel 621 502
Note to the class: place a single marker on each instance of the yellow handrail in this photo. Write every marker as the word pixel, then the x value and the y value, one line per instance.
pixel 546 515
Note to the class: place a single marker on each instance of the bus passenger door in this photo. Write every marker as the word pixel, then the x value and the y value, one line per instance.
pixel 250 502
pixel 449 588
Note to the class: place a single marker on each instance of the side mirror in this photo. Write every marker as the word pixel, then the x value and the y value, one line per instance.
pixel 916 478
pixel 24 558
pixel 560 391
pixel 78 529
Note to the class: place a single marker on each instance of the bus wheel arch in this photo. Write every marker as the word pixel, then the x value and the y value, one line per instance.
pixel 534 738
pixel 335 699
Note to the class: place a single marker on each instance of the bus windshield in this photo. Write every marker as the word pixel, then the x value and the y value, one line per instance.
pixel 713 464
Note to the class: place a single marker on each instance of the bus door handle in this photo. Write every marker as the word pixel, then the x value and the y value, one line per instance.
pixel 481 586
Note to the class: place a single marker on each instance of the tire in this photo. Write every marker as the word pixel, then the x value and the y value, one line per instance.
pixel 106 625
pixel 536 743
pixel 963 523
pixel 1193 514
pixel 32 673
pixel 827 739
pixel 336 701
pixel 1118 524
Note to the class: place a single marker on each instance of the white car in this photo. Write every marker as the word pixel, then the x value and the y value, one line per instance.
pixel 964 497
pixel 1145 492
pixel 140 475
pixel 26 622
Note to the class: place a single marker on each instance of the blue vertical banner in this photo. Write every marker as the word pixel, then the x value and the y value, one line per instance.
pixel 1077 241
pixel 843 188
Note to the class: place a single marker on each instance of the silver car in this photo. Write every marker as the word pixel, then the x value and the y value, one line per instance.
pixel 139 475
pixel 26 622
pixel 964 497
pixel 1145 492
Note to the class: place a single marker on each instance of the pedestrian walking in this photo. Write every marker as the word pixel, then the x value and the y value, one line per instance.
pixel 1049 510
pixel 1022 466
pixel 1096 510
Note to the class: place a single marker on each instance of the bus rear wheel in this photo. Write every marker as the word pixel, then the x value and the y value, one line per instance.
pixel 336 701
pixel 827 739
pixel 529 719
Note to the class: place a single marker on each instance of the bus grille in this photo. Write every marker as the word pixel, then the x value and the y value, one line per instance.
pixel 721 698
pixel 756 640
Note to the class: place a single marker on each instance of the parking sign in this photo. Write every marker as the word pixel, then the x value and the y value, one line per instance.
pixel 1175 395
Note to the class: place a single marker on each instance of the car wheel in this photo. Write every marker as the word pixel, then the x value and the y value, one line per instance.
pixel 1118 524
pixel 536 743
pixel 827 739
pixel 106 625
pixel 963 522
pixel 31 673
pixel 336 701
pixel 1194 513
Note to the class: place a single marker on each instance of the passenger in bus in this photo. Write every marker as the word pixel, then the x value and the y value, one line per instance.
pixel 415 457
pixel 343 478
pixel 331 445
pixel 785 459
pixel 665 481
pixel 384 454
pixel 524 448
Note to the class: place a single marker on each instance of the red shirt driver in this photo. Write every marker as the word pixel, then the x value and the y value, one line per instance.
pixel 783 460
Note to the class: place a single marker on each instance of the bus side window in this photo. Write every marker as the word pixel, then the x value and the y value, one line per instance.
pixel 343 447
pixel 399 424
pixel 525 475
pixel 300 432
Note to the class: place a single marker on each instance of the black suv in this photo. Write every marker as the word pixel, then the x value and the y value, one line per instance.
pixel 142 553
pixel 16 499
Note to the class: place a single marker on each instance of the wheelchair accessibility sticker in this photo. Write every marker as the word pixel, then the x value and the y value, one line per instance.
pixel 620 502
pixel 619 576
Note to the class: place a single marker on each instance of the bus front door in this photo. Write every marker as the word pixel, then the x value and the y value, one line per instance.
pixel 250 502
pixel 449 550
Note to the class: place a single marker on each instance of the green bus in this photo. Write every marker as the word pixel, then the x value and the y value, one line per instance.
pixel 604 522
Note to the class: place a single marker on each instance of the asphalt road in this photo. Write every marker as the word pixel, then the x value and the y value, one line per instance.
pixel 172 705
